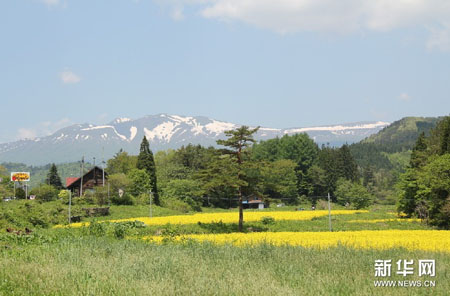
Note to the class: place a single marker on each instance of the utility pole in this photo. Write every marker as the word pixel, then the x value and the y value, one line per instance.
pixel 70 205
pixel 151 197
pixel 109 199
pixel 81 178
pixel 103 168
pixel 329 212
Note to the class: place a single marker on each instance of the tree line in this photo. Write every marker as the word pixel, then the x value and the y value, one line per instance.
pixel 424 189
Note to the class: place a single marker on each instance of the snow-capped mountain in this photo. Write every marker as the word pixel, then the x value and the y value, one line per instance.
pixel 163 131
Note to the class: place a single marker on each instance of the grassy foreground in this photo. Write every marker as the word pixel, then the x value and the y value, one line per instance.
pixel 113 259
pixel 104 266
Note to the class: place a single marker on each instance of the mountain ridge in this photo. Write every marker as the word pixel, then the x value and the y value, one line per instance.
pixel 164 131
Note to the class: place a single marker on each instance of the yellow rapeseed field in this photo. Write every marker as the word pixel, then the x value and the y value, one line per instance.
pixel 426 240
pixel 384 220
pixel 231 217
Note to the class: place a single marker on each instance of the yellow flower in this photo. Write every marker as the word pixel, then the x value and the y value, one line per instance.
pixel 229 217
pixel 427 240
pixel 384 220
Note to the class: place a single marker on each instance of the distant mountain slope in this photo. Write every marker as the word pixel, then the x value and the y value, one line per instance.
pixel 390 147
pixel 163 131
pixel 401 135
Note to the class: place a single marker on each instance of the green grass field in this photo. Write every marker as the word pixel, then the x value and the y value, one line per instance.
pixel 97 260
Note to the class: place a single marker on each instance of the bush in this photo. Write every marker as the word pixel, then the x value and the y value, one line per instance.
pixel 142 199
pixel 322 205
pixel 176 205
pixel 353 193
pixel 126 199
pixel 120 230
pixel 186 190
pixel 97 229
pixel 140 182
pixel 268 220
pixel 45 192
pixel 101 195
pixel 20 193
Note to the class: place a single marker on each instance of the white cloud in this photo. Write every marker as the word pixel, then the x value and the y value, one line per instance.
pixel 440 38
pixel 68 77
pixel 44 128
pixel 26 133
pixel 404 97
pixel 331 16
pixel 177 13
pixel 51 2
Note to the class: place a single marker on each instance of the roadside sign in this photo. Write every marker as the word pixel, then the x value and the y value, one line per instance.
pixel 20 176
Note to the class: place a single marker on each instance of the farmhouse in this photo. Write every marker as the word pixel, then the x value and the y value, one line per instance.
pixel 254 203
pixel 90 180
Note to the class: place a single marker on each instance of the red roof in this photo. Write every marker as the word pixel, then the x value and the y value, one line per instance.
pixel 255 201
pixel 71 180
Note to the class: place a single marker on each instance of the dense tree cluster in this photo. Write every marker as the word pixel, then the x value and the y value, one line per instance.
pixel 289 169
pixel 425 186
pixel 317 170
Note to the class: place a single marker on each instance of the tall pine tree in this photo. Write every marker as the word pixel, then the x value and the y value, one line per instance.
pixel 53 177
pixel 445 136
pixel 146 162
pixel 419 155
pixel 238 140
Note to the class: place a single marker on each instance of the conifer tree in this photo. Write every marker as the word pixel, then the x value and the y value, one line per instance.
pixel 347 164
pixel 445 136
pixel 238 140
pixel 418 155
pixel 53 177
pixel 146 162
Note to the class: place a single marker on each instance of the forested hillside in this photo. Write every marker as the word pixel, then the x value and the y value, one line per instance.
pixel 382 157
pixel 425 186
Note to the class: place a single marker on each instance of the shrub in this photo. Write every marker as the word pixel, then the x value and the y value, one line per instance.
pixel 97 229
pixel 176 205
pixel 101 195
pixel 186 190
pixel 20 193
pixel 126 199
pixel 120 230
pixel 268 220
pixel 353 193
pixel 45 192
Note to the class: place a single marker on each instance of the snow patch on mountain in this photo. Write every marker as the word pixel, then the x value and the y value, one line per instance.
pixel 337 127
pixel 133 132
pixel 91 128
pixel 163 131
pixel 181 118
pixel 121 120
pixel 219 127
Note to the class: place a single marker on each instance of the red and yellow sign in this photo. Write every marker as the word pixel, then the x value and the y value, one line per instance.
pixel 20 176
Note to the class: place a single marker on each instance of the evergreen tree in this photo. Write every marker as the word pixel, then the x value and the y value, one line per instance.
pixel 53 178
pixel 369 177
pixel 418 155
pixel 238 140
pixel 146 162
pixel 347 166
pixel 445 136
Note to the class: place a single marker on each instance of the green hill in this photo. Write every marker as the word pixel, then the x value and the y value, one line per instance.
pixel 401 135
pixel 390 148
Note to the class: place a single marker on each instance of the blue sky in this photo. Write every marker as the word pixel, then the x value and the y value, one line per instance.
pixel 285 63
